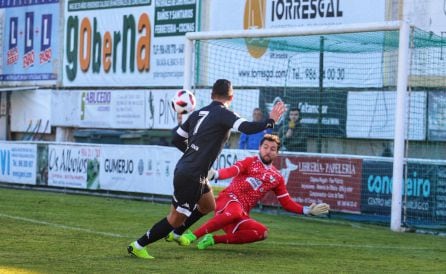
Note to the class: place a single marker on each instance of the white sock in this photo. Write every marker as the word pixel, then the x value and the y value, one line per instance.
pixel 138 246
pixel 176 236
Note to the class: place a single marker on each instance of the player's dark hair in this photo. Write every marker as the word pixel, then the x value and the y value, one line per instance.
pixel 272 138
pixel 222 88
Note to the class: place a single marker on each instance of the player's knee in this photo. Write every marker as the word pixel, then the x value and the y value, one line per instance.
pixel 234 210
pixel 234 214
pixel 265 234
pixel 262 231
pixel 176 219
pixel 206 208
pixel 206 204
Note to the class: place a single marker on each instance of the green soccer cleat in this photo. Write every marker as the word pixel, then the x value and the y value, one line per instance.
pixel 184 240
pixel 170 237
pixel 207 241
pixel 140 253
pixel 187 238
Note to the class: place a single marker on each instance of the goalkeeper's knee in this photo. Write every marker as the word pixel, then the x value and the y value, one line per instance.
pixel 265 234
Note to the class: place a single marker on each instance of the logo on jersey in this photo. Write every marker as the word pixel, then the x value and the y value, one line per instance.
pixel 254 18
pixel 271 178
pixel 194 147
pixel 185 205
pixel 255 183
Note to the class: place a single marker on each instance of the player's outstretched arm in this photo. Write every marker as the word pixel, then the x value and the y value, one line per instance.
pixel 278 109
pixel 229 172
pixel 254 127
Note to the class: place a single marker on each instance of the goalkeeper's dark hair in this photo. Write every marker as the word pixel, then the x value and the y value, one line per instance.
pixel 272 138
pixel 222 88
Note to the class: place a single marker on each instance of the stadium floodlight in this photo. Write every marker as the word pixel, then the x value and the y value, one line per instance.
pixel 369 56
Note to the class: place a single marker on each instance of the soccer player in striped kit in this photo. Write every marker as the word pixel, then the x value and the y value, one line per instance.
pixel 201 137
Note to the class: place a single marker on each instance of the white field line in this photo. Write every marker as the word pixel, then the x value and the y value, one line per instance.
pixel 86 230
pixel 90 231
pixel 351 246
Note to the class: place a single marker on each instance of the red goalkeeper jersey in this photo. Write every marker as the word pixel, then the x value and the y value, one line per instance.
pixel 253 179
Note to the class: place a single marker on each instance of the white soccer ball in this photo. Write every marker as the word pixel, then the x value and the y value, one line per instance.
pixel 183 102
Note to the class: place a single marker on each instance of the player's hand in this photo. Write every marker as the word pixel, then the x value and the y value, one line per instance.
pixel 317 209
pixel 212 174
pixel 278 109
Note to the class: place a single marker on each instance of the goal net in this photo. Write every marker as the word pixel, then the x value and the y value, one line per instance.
pixel 353 133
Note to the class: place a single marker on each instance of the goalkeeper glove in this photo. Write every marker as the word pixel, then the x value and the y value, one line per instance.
pixel 316 209
pixel 212 174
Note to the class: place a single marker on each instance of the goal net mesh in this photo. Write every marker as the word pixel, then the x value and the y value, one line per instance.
pixel 343 87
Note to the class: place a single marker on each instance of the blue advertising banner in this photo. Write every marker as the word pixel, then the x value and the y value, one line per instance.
pixel 30 42
pixel 418 190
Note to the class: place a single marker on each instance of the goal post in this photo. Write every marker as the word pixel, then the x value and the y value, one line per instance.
pixel 400 114
pixel 279 73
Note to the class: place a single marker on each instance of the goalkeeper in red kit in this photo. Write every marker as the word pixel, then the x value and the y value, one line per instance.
pixel 253 178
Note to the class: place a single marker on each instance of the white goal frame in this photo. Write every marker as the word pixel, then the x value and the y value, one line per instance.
pixel 402 82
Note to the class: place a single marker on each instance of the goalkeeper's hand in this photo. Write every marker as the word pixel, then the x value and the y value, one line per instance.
pixel 316 209
pixel 212 174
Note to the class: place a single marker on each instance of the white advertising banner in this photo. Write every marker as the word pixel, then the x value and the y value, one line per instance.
pixel 245 100
pixel 227 158
pixel 146 169
pixel 31 112
pixel 2 12
pixel 255 14
pixel 18 163
pixel 436 17
pixel 112 109
pixel 371 114
pixel 66 108
pixel 126 43
pixel 300 69
pixel 123 109
pixel 159 112
pixel 74 166
pixel 428 15
pixel 262 66
pixel 134 109
pixel 160 115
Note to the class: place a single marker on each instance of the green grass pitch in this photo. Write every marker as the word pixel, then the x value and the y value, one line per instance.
pixel 43 232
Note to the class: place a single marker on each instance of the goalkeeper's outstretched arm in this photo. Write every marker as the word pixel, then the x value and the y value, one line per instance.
pixel 314 209
pixel 223 173
pixel 317 209
pixel 229 172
